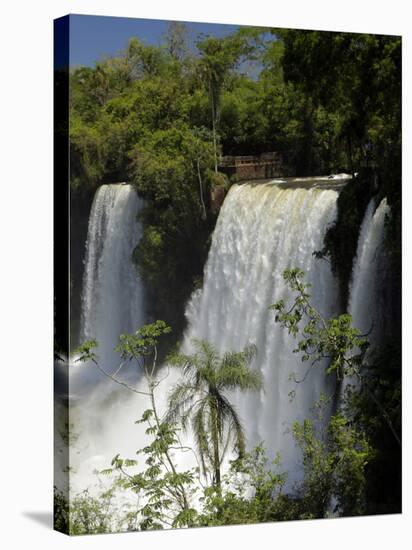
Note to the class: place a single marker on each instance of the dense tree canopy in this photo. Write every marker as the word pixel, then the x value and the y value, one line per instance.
pixel 340 91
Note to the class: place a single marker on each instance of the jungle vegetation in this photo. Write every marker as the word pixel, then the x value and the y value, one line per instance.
pixel 338 458
pixel 161 118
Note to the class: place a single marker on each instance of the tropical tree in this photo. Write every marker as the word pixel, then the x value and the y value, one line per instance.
pixel 200 400
pixel 144 61
pixel 370 403
pixel 161 482
pixel 333 339
pixel 218 58
pixel 176 39
pixel 213 69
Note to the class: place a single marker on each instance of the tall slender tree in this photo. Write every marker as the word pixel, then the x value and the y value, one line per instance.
pixel 200 400
pixel 176 39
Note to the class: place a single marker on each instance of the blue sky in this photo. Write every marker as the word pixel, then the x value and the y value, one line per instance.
pixel 93 37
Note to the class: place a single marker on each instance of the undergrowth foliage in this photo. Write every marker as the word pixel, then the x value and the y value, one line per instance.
pixel 336 454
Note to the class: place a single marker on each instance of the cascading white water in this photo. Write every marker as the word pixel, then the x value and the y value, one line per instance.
pixel 365 292
pixel 112 294
pixel 262 230
pixel 102 413
pixel 365 298
pixel 365 295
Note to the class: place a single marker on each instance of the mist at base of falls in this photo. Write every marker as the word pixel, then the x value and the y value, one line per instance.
pixel 261 230
pixel 102 414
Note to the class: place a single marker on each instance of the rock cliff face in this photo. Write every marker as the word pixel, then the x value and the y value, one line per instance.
pixel 217 196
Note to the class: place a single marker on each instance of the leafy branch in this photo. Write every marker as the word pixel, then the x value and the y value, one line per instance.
pixel 163 487
pixel 333 339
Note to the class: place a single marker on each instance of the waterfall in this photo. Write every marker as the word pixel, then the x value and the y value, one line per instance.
pixel 103 413
pixel 262 230
pixel 112 294
pixel 365 297
pixel 366 291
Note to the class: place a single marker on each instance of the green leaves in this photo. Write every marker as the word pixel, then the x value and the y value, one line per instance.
pixel 199 398
pixel 85 351
pixel 336 462
pixel 332 339
pixel 335 465
pixel 186 517
pixel 251 492
pixel 142 342
pixel 158 486
pixel 145 416
pixel 84 514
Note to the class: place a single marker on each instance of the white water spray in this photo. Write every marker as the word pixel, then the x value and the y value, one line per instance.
pixel 112 294
pixel 101 412
pixel 262 230
pixel 365 298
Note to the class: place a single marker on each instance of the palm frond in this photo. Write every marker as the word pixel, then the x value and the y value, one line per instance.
pixel 233 421
pixel 207 354
pixel 199 398
pixel 179 402
pixel 235 372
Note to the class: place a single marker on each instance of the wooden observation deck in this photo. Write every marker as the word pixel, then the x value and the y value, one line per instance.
pixel 264 166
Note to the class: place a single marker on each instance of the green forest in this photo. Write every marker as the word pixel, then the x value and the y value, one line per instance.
pixel 161 118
